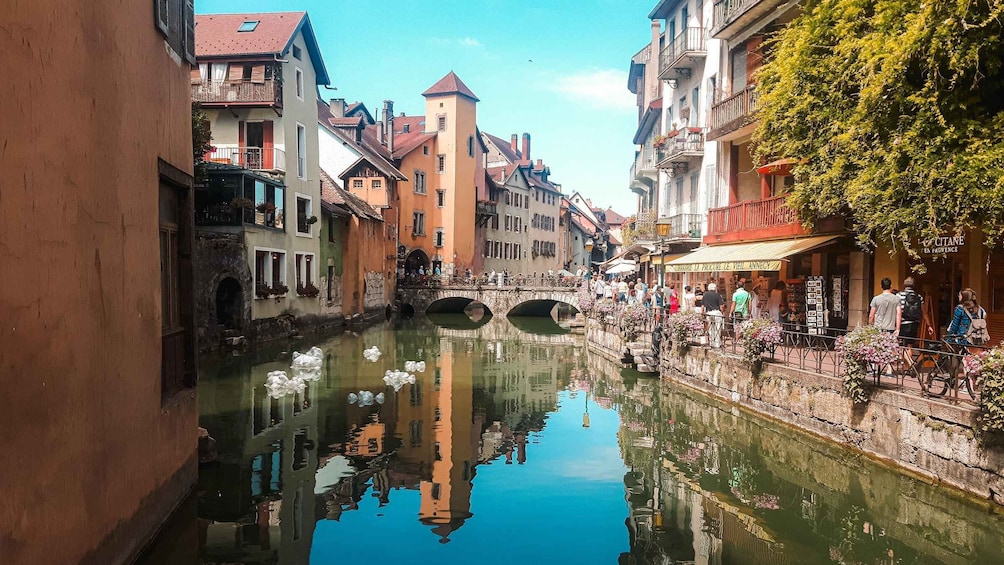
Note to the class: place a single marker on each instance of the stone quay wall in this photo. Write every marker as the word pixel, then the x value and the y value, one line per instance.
pixel 930 438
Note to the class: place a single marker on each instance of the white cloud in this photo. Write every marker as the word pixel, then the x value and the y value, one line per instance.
pixel 600 88
pixel 463 42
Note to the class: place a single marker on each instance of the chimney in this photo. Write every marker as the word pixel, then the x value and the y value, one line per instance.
pixel 526 147
pixel 337 107
pixel 514 143
pixel 540 164
pixel 388 123
pixel 655 34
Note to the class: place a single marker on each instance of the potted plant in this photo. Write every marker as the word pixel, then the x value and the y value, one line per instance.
pixel 308 290
pixel 659 141
pixel 240 203
pixel 864 348
pixel 988 369
pixel 311 220
pixel 279 289
pixel 262 291
pixel 758 336
pixel 265 207
pixel 632 321
pixel 683 326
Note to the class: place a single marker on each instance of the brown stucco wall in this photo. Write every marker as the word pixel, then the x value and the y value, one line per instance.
pixel 87 443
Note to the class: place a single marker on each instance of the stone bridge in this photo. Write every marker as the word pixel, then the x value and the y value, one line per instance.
pixel 499 300
pixel 501 328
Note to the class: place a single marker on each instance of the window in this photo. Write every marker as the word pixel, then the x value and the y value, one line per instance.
pixel 301 151
pixel 248 25
pixel 357 183
pixel 304 263
pixel 331 278
pixel 425 150
pixel 695 185
pixel 508 222
pixel 508 198
pixel 419 182
pixel 331 230
pixel 440 163
pixel 269 269
pixel 377 184
pixel 440 236
pixel 695 106
pixel 441 122
pixel 162 13
pixel 470 146
pixel 418 223
pixel 299 84
pixel 297 54
pixel 441 198
pixel 175 364
pixel 679 191
pixel 507 253
pixel 304 214
pixel 188 18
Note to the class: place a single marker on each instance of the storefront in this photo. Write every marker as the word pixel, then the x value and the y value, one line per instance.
pixel 816 270
pixel 945 266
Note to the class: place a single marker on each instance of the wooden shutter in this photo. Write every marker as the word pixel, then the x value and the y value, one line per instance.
pixel 258 74
pixel 196 76
pixel 236 72
pixel 160 8
pixel 267 146
pixel 240 139
pixel 189 25
pixel 994 302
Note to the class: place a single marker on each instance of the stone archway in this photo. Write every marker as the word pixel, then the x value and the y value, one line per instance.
pixel 229 304
pixel 417 258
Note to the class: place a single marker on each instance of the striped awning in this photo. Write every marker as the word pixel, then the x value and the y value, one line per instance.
pixel 759 256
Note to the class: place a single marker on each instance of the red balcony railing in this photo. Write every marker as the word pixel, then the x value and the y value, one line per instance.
pixel 753 219
pixel 252 158
pixel 238 93
pixel 733 112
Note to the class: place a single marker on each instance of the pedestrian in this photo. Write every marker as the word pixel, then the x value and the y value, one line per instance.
pixel 698 298
pixel 912 314
pixel 640 291
pixel 778 297
pixel 687 304
pixel 740 308
pixel 885 309
pixel 438 271
pixel 598 288
pixel 622 290
pixel 711 307
pixel 674 300
pixel 969 323
pixel 657 294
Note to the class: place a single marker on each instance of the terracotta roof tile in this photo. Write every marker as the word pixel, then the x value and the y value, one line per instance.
pixel 216 35
pixel 613 218
pixel 331 193
pixel 450 84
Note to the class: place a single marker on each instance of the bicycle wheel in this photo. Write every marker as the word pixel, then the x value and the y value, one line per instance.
pixel 937 383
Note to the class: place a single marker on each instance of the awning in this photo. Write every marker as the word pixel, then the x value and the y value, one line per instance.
pixel 781 167
pixel 621 266
pixel 760 256
pixel 658 259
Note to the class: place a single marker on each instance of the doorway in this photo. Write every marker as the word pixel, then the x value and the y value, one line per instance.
pixel 254 139
pixel 229 304
pixel 940 287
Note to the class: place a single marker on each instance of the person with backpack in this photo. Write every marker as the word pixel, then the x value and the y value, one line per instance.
pixel 969 323
pixel 912 314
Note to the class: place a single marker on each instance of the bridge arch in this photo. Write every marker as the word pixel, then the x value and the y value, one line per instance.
pixel 455 305
pixel 500 301
pixel 537 307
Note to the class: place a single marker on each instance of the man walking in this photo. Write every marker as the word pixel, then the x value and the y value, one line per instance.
pixel 886 311
pixel 912 314
pixel 712 310
pixel 740 309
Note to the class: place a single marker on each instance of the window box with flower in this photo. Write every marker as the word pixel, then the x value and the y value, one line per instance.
pixel 866 349
pixel 758 336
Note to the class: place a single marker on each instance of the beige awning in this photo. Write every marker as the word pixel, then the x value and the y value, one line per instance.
pixel 759 256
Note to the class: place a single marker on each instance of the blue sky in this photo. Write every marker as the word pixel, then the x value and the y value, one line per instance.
pixel 572 98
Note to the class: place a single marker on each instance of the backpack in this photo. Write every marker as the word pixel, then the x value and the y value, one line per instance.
pixel 977 334
pixel 912 306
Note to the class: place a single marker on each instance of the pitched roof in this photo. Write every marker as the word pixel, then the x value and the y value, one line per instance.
pixel 450 84
pixel 217 36
pixel 504 147
pixel 370 149
pixel 613 218
pixel 331 193
pixel 358 108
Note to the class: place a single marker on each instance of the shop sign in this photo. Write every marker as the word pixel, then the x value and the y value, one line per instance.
pixel 943 245
pixel 723 266
pixel 401 250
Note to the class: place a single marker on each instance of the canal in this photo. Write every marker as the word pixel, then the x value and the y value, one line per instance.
pixel 516 445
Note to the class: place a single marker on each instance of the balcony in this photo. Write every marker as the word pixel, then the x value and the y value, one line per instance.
pixel 220 94
pixel 684 147
pixel 645 225
pixel 251 158
pixel 681 227
pixel 679 56
pixel 753 219
pixel 733 16
pixel 733 116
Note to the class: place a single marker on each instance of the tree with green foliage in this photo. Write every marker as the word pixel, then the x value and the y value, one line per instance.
pixel 897 108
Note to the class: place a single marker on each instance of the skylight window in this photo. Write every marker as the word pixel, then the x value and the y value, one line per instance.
pixel 249 25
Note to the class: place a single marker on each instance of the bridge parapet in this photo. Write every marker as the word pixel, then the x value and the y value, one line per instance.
pixel 500 300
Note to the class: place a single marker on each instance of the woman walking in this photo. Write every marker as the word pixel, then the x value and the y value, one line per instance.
pixel 969 322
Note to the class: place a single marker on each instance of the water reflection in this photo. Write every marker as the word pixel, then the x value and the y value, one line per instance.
pixel 709 484
pixel 579 461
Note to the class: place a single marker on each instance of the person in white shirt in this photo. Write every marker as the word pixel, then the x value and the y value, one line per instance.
pixel 688 299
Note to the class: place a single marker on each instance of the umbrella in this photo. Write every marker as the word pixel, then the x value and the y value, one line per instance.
pixel 564 273
pixel 621 269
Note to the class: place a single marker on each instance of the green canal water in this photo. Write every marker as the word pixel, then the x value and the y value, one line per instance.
pixel 516 445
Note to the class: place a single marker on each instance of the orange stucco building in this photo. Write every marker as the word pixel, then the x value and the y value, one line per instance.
pixel 97 342
pixel 443 156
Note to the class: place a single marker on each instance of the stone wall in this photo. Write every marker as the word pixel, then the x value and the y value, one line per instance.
pixel 931 438
pixel 219 256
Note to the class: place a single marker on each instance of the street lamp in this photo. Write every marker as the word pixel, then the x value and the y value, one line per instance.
pixel 589 254
pixel 663 231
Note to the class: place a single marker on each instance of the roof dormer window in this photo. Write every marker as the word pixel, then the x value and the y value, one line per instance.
pixel 248 25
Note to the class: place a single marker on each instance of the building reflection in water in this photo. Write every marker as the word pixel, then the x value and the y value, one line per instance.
pixel 286 463
pixel 711 485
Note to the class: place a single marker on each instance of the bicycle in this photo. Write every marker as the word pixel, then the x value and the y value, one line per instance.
pixel 939 368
